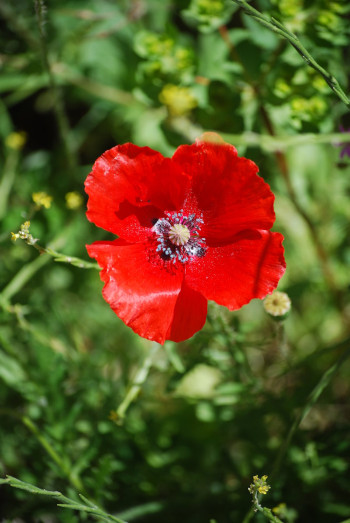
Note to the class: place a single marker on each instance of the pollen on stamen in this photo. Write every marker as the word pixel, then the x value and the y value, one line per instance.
pixel 177 237
pixel 179 234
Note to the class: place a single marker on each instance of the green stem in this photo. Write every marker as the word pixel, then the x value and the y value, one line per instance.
pixel 84 505
pixel 21 278
pixel 65 468
pixel 26 272
pixel 72 260
pixel 269 515
pixel 9 172
pixel 266 142
pixel 275 26
pixel 311 400
pixel 137 383
pixel 61 117
pixel 74 480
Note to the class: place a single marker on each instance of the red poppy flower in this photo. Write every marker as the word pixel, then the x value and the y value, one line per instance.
pixel 191 228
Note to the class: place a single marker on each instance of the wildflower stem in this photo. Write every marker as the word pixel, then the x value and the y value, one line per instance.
pixel 9 173
pixel 83 505
pixel 273 143
pixel 265 141
pixel 27 271
pixel 105 92
pixel 64 466
pixel 269 515
pixel 136 385
pixel 21 278
pixel 275 26
pixel 61 117
pixel 311 400
pixel 72 260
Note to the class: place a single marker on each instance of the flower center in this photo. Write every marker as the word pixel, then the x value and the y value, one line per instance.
pixel 179 234
pixel 178 237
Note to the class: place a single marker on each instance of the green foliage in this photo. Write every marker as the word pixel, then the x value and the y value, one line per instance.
pixel 86 407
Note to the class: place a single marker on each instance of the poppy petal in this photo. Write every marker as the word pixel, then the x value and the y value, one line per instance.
pixel 130 185
pixel 232 275
pixel 189 314
pixel 143 294
pixel 228 191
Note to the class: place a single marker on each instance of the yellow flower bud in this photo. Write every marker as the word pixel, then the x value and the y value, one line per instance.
pixel 41 199
pixel 178 100
pixel 74 200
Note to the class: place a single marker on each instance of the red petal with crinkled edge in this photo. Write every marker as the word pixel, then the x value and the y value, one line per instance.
pixel 227 190
pixel 131 185
pixel 232 275
pixel 146 296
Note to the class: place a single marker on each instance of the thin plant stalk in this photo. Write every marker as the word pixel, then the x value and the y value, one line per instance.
pixel 85 505
pixel 278 28
pixel 8 178
pixel 310 402
pixel 61 117
pixel 137 383
pixel 60 462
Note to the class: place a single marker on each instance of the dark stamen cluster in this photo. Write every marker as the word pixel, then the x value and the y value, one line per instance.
pixel 193 246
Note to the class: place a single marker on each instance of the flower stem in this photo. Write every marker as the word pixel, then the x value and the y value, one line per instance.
pixel 275 26
pixel 21 278
pixel 64 466
pixel 61 117
pixel 9 173
pixel 311 400
pixel 137 383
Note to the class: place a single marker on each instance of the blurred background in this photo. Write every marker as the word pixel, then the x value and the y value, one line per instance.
pixel 78 78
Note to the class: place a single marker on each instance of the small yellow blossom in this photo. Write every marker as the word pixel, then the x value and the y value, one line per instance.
pixel 74 200
pixel 178 100
pixel 277 304
pixel 14 236
pixel 16 140
pixel 24 234
pixel 259 485
pixel 41 199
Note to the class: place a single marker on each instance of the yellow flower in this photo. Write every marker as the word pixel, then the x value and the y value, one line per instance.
pixel 259 485
pixel 277 304
pixel 16 140
pixel 74 200
pixel 178 100
pixel 14 236
pixel 24 234
pixel 41 199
